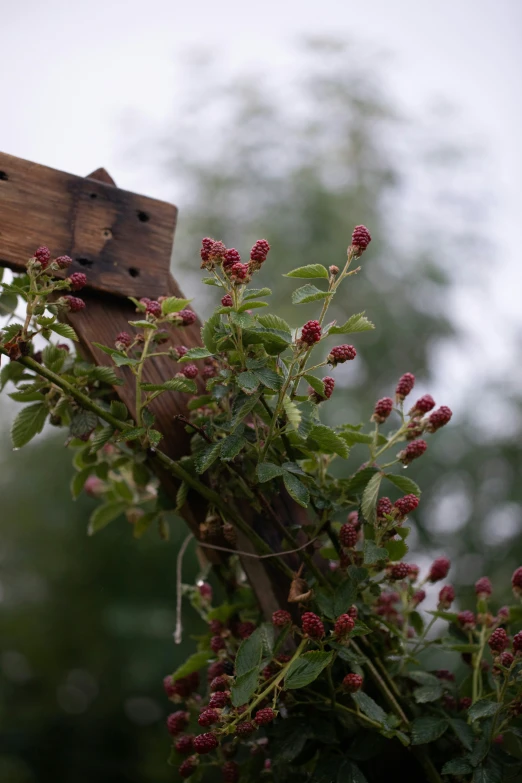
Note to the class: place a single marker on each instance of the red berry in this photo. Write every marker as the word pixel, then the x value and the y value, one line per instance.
pixel 418 597
pixel 239 272
pixel 218 683
pixel 206 248
pixel 43 255
pixel 499 739
pixel 208 717
pixel 124 339
pixel 413 572
pixel 517 642
pixel 74 303
pixel 63 262
pixel 230 258
pixel 187 317
pixel 312 625
pixel 227 301
pixel 438 418
pixel 384 507
pixel 413 450
pixel 399 571
pixel 181 350
pixel 217 643
pixel 353 682
pixel 439 569
pixel 215 627
pixel 503 614
pixel 348 535
pixel 217 251
pixel 361 238
pixel 187 768
pixel 245 629
pixel 184 744
pixel 311 333
pixel 445 674
pixel 177 722
pixel 483 587
pixel 516 582
pixel 230 772
pixel 406 505
pixel 465 703
pixel 341 354
pixel 215 670
pixel 264 716
pixel 446 596
pixel 352 611
pixel 77 280
pixel 190 371
pixel 343 625
pixel 153 308
pixel 329 384
pixel 382 410
pixel 219 700
pixel 281 618
pixel 423 405
pixel 466 619
pixel 245 729
pixel 498 641
pixel 506 658
pixel 205 743
pixel 404 386
pixel 260 251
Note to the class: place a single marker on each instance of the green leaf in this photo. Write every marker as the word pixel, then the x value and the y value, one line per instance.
pixel 244 687
pixel 250 653
pixel 28 423
pixel 463 731
pixel 480 750
pixel 266 471
pixel 309 293
pixel 328 440
pixel 53 357
pixel 244 320
pixel 427 729
pixel 199 402
pixel 173 305
pixel 204 459
pixel 325 603
pixel 405 484
pixel 369 498
pixel 78 481
pixel 427 693
pixel 231 446
pixel 483 709
pixel 373 553
pixel 248 381
pixel 174 384
pixel 105 375
pixel 349 772
pixel 211 281
pixel 208 332
pixel 101 437
pixel 195 353
pixel 105 514
pixel 296 489
pixel 358 481
pixel 131 433
pixel 275 322
pixel 252 305
pixel 144 324
pixel 456 767
pixel 251 293
pixel 243 405
pixel 417 622
pixel 369 707
pixel 423 678
pixel 293 413
pixel 396 549
pixel 345 595
pixel 64 330
pixel 193 664
pixel 309 271
pixel 27 395
pixel 306 669
pixel 11 372
pixel 269 378
pixel 119 410
pixel 316 384
pixel 356 323
pixel 83 422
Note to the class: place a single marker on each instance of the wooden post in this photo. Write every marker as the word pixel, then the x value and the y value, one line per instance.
pixel 123 242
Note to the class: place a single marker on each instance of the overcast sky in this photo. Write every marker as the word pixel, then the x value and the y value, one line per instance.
pixel 70 71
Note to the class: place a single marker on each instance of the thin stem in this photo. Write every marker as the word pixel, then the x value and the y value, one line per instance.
pixel 477 672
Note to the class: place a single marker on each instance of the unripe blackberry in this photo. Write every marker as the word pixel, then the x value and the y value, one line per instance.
pixel 74 303
pixel 245 729
pixel 361 238
pixel 413 572
pixel 208 717
pixel 217 644
pixel 343 625
pixel 310 333
pixel 227 301
pixel 215 627
pixel 190 371
pixel 153 308
pixel 264 716
pixel 187 768
pixel 384 506
pixel 439 569
pixel 219 683
pixel 445 674
pixel 353 682
pixel 281 618
pixel 483 587
pixel 414 429
pixel 43 255
pixel 352 611
pixel 63 262
pixel 438 418
pixel 77 281
pixel 506 658
pixel 260 251
pixel 424 404
pixel 449 702
pixel 123 340
pixel 516 582
pixel 205 743
pixel 217 251
pixel 215 670
pixel 312 625
pixel 219 700
pixel 465 703
pixel 503 614
pixel 329 384
pixel 418 597
pixel 206 248
pixel 406 504
pixel 245 629
pixel 348 535
pixel 398 571
pixel 498 641
pixel 94 487
pixel 466 620
pixel 341 354
pixel 230 772
pixel 238 272
pixel 334 270
pixel 413 450
pixel 186 317
pixel 184 744
pixel 230 258
pixel 517 642
pixel 382 410
pixel 446 597
pixel 177 722
pixel 404 386
pixel 228 668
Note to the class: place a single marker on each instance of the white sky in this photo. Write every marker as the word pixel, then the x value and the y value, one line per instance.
pixel 70 70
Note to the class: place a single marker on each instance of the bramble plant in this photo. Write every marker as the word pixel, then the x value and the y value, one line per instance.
pixel 333 685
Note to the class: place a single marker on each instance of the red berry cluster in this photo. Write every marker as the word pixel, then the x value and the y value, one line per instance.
pixel 230 258
pixel 177 722
pixel 264 716
pixel 446 597
pixel 258 254
pixel 498 641
pixel 122 341
pixel 73 303
pixel 185 317
pixel 483 587
pixel 413 450
pixel 227 301
pixel 77 281
pixel 343 625
pixel 230 772
pixel 312 625
pixel 353 682
pixel 466 620
pixel 361 238
pixel 423 405
pixel 281 618
pixel 384 507
pixel 348 535
pixel 516 582
pixel 190 371
pixel 239 273
pixel 205 743
pixel 398 571
pixel 63 262
pixel 438 418
pixel 43 256
pixel 341 354
pixel 328 384
pixel 404 386
pixel 382 410
pixel 310 333
pixel 406 505
pixel 439 569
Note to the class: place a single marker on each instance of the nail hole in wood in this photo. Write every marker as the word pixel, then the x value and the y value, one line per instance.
pixel 133 272
pixel 143 216
pixel 107 233
pixel 3 176
pixel 85 261
pixel 94 195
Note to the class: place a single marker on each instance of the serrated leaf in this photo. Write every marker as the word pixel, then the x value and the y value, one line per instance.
pixel 231 446
pixel 306 669
pixel 101 437
pixel 248 381
pixel 396 549
pixel 369 498
pixel 252 305
pixel 199 402
pixel 328 440
pixel 344 597
pixel 405 484
pixel 105 375
pixel 427 693
pixel 266 471
pixel 359 480
pixel 243 406
pixel 316 384
pixel 244 320
pixel 269 378
pixel 309 293
pixel 123 361
pixel 296 489
pixel 28 423
pixel 250 653
pixel 480 750
pixel 483 709
pixel 356 323
pixel 143 524
pixel 244 687
pixel 369 707
pixel 53 357
pixel 456 767
pixel 360 629
pixel 309 271
pixel 373 553
pixel 325 602
pixel 193 664
pixel 251 293
pixel 423 678
pixel 186 385
pixel 208 332
pixel 195 353
pixel 78 481
pixel 131 433
pixel 173 304
pixel 119 410
pixel 275 322
pixel 144 324
pixel 207 457
pixel 211 281
pixel 11 372
pixel 427 729
pixel 27 395
pixel 293 414
pixel 64 330
pixel 83 423
pixel 463 731
pixel 417 622
pixel 105 514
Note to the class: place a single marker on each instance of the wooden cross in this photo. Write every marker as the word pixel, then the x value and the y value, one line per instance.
pixel 123 242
